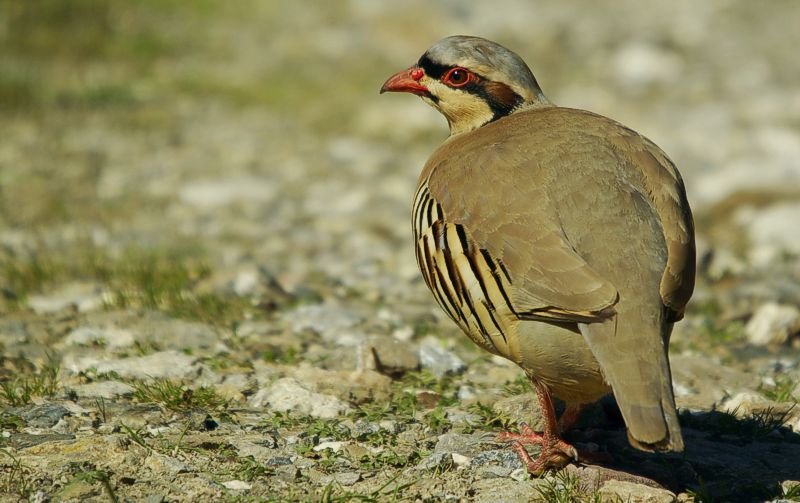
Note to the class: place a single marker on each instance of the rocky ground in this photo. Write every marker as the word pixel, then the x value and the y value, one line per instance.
pixel 207 285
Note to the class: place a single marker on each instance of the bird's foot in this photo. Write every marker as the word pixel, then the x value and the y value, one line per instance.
pixel 526 436
pixel 555 453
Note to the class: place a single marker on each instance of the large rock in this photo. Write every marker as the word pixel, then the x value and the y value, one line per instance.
pixel 113 338
pixel 634 493
pixel 288 394
pixel 440 361
pixel 772 323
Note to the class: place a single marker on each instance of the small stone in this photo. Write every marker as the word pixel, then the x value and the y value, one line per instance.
pixel 279 461
pixel 493 472
pixel 773 323
pixel 159 463
pixel 237 485
pixel 390 425
pixel 103 389
pixel 392 357
pixel 635 493
pixel 347 478
pixel 460 460
pixel 437 460
pixel 440 361
pixel 287 394
pixel 113 338
pixel 334 446
pixel 466 392
pixel 362 429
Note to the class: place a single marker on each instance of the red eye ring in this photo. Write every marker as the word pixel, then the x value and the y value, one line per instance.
pixel 458 77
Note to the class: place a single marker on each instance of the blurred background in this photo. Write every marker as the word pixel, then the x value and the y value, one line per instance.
pixel 253 130
pixel 228 163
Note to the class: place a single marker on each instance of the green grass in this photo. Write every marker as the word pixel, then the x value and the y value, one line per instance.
pixel 95 476
pixel 158 279
pixel 565 487
pixel 755 426
pixel 790 492
pixel 15 478
pixel 388 492
pixel 177 396
pixel 47 45
pixel 22 389
pixel 782 391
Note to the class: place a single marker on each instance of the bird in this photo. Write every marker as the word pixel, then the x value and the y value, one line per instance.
pixel 554 237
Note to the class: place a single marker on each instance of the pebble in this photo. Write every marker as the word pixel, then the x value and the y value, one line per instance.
pixel 392 357
pixel 160 463
pixel 237 485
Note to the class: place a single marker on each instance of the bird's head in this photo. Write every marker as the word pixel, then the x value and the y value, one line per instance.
pixel 471 81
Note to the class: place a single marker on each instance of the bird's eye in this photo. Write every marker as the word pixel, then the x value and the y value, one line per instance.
pixel 458 77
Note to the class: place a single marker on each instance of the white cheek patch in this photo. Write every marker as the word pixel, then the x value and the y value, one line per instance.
pixel 464 111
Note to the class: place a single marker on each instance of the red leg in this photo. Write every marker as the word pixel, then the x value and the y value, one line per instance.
pixel 555 452
pixel 569 417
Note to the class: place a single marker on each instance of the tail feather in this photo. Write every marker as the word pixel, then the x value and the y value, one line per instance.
pixel 631 349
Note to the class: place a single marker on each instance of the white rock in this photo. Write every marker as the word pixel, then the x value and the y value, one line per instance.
pixel 113 338
pixel 247 282
pixel 744 403
pixel 83 296
pixel 103 389
pixel 773 323
pixel 288 394
pixel 772 231
pixel 167 364
pixel 334 446
pixel 332 322
pixel 635 493
pixel 160 463
pixel 439 360
pixel 237 485
pixel 640 64
pixel 460 459
pixel 220 192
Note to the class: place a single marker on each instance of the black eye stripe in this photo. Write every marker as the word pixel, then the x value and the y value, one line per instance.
pixel 432 69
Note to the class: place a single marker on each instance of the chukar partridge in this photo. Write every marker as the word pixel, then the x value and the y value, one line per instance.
pixel 554 237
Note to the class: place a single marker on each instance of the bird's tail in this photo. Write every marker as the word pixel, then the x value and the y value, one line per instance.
pixel 634 362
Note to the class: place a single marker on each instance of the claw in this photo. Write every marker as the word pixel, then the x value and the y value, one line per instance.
pixel 555 453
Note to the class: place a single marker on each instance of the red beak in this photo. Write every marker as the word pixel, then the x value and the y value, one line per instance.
pixel 405 81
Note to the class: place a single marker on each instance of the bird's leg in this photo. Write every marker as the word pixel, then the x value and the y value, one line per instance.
pixel 569 416
pixel 555 453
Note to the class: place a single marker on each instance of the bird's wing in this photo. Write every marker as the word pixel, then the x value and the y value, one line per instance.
pixel 513 224
pixel 667 193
